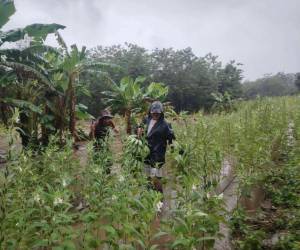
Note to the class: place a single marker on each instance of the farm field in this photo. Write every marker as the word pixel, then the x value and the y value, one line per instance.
pixel 53 200
pixel 110 145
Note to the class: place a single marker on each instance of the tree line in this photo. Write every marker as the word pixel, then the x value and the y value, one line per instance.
pixel 191 80
pixel 279 84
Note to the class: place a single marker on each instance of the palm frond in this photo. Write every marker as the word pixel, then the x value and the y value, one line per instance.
pixel 40 49
pixel 21 104
pixel 28 72
pixel 62 43
pixel 7 9
pixel 37 31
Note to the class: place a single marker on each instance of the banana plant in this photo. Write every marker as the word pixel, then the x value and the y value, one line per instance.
pixel 14 59
pixel 131 97
pixel 36 31
pixel 71 64
pixel 223 102
pixel 23 68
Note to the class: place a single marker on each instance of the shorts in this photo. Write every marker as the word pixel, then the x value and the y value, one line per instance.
pixel 153 172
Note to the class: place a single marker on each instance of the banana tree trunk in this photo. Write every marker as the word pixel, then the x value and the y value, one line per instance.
pixel 60 119
pixel 44 130
pixel 128 121
pixel 72 104
pixel 24 132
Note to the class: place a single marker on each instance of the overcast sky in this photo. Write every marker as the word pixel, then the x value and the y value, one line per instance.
pixel 264 35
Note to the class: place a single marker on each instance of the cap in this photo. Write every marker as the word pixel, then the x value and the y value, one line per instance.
pixel 105 114
pixel 156 107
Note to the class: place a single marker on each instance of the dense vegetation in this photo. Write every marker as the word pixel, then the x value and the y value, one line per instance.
pixel 275 225
pixel 271 85
pixel 52 201
pixel 191 79
pixel 53 196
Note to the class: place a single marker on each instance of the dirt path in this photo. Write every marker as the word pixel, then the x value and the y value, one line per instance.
pixel 228 186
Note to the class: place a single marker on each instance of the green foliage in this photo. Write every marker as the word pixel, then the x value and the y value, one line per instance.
pixel 135 151
pixel 22 104
pixel 297 81
pixel 190 79
pixel 279 84
pixel 130 95
pixel 37 31
pixel 51 201
pixel 25 71
pixel 223 102
pixel 7 9
pixel 131 98
pixel 252 241
pixel 278 225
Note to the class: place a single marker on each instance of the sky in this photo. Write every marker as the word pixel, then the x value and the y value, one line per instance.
pixel 263 35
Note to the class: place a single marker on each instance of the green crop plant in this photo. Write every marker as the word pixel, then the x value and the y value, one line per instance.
pixel 50 201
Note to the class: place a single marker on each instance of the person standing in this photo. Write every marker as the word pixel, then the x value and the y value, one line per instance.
pixel 158 134
pixel 101 127
pixel 99 131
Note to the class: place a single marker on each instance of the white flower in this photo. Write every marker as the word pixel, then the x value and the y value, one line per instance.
pixel 194 187
pixel 220 196
pixel 96 170
pixel 64 182
pixel 37 198
pixel 159 206
pixel 121 178
pixel 57 201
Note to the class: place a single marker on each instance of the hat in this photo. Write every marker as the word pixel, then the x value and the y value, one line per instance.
pixel 105 114
pixel 156 107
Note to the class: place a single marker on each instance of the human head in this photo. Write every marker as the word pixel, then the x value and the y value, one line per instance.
pixel 156 110
pixel 105 116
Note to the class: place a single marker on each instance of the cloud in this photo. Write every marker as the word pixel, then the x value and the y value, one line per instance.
pixel 263 35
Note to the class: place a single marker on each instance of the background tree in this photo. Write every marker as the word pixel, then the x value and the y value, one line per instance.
pixel 132 60
pixel 191 79
pixel 279 84
pixel 297 81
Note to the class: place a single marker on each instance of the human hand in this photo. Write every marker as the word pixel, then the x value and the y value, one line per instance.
pixel 140 132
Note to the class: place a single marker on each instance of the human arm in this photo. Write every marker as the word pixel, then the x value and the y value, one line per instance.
pixel 141 128
pixel 170 134
pixel 113 126
pixel 92 130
